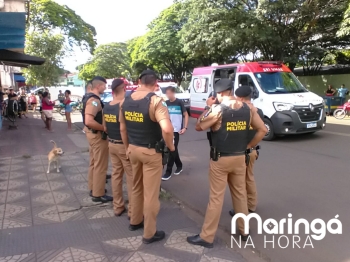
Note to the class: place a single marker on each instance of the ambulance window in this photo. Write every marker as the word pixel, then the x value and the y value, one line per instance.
pixel 200 85
pixel 245 80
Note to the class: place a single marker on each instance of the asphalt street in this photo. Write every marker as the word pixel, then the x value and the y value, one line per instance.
pixel 305 175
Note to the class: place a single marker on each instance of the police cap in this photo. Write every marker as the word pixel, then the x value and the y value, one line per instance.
pixel 243 91
pixel 223 85
pixel 148 72
pixel 99 78
pixel 117 82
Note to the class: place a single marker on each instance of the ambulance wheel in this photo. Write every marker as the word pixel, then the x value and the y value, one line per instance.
pixel 270 135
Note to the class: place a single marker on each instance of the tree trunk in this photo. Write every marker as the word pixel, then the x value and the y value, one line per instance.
pixel 292 66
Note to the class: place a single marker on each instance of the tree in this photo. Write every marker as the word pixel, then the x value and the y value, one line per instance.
pixel 286 30
pixel 52 48
pixel 344 29
pixel 161 47
pixel 109 61
pixel 48 16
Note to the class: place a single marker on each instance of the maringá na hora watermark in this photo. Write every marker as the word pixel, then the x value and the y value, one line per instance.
pixel 291 237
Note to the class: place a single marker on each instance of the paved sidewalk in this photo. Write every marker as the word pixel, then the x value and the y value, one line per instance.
pixel 50 217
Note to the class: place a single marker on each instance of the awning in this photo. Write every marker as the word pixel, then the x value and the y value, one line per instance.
pixel 19 78
pixel 17 59
pixel 12 30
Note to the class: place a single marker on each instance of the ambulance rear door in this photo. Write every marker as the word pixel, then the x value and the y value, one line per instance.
pixel 201 87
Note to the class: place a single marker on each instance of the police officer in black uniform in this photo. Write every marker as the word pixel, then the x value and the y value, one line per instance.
pixel 144 120
pixel 97 137
pixel 244 94
pixel 117 150
pixel 229 124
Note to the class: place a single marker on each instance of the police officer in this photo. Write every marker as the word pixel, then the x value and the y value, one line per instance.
pixel 243 94
pixel 98 147
pixel 144 119
pixel 117 151
pixel 88 89
pixel 229 124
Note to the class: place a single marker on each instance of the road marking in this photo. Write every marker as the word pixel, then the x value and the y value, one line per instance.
pixel 335 133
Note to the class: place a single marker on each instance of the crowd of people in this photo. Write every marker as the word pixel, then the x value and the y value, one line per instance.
pixel 141 131
pixel 43 100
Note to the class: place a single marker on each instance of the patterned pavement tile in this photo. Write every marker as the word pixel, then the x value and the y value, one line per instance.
pixel 3 197
pixel 96 212
pixel 16 196
pixel 45 198
pixel 50 214
pixel 64 255
pixel 9 223
pixel 38 177
pixel 16 175
pixel 61 197
pixel 13 210
pixel 71 170
pixel 56 176
pixel 38 169
pixel 55 185
pixel 76 178
pixel 206 258
pixel 18 258
pixel 44 186
pixel 16 161
pixel 177 240
pixel 4 168
pixel 130 243
pixel 83 255
pixel 69 213
pixel 14 184
pixel 152 258
pixel 80 187
pixel 4 185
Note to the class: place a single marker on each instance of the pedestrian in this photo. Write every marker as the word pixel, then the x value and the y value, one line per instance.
pixel 179 119
pixel 229 124
pixel 47 106
pixel 23 103
pixel 67 108
pixel 243 94
pixel 33 102
pixel 143 119
pixel 98 144
pixel 117 151
pixel 61 97
pixel 330 91
pixel 40 94
pixel 343 92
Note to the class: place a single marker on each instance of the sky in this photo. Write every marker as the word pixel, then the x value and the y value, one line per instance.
pixel 114 20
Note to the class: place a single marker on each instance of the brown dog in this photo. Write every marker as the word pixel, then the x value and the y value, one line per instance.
pixel 54 156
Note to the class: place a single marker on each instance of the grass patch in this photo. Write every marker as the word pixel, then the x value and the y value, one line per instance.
pixel 164 195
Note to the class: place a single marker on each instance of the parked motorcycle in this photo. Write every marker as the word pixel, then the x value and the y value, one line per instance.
pixel 342 111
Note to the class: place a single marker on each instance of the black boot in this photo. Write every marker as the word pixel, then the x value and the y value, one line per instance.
pixel 158 236
pixel 198 241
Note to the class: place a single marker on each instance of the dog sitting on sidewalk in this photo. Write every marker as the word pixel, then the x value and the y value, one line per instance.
pixel 54 156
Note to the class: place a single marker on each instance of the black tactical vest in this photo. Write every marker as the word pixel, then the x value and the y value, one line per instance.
pixel 98 117
pixel 111 116
pixel 232 137
pixel 252 132
pixel 142 131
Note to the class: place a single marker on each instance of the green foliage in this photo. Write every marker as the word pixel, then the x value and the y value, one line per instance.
pixel 109 61
pixel 161 47
pixel 48 16
pixel 344 29
pixel 50 47
pixel 292 30
pixel 343 57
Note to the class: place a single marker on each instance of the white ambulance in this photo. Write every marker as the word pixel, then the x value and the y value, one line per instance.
pixel 288 107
